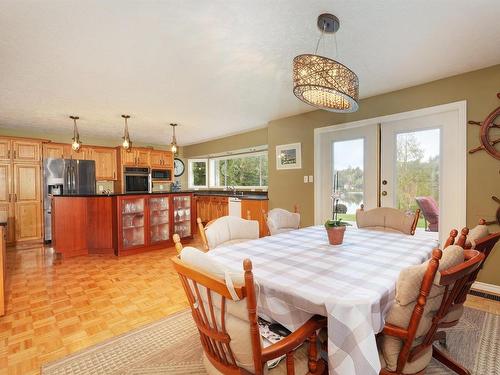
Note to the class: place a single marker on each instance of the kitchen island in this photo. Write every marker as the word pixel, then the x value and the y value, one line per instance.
pixel 120 224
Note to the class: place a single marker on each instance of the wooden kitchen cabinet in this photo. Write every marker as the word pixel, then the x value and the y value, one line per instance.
pixel 20 188
pixel 26 182
pixel 7 210
pixel 161 159
pixel 105 163
pixel 252 209
pixel 27 202
pixel 5 144
pixel 156 159
pixel 53 150
pixel 5 182
pixel 142 157
pixel 28 151
pixel 28 221
pixel 135 157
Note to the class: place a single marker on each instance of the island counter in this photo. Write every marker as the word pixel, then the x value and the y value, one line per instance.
pixel 120 224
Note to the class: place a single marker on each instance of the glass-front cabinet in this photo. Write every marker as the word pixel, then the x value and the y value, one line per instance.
pixel 150 221
pixel 182 215
pixel 133 222
pixel 159 219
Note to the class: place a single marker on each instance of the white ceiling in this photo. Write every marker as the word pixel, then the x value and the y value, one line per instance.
pixel 216 67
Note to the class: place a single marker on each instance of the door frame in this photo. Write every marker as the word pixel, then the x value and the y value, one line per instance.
pixel 460 107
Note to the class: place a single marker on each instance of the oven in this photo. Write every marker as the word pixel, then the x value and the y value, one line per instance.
pixel 137 180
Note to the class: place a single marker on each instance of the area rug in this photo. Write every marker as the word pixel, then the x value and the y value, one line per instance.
pixel 171 346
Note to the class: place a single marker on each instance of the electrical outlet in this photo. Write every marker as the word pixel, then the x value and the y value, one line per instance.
pixel 305 179
pixel 311 179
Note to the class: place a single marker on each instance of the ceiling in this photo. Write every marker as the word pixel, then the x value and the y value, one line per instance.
pixel 216 67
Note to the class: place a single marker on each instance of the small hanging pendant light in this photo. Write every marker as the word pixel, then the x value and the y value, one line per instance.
pixel 76 144
pixel 173 144
pixel 127 144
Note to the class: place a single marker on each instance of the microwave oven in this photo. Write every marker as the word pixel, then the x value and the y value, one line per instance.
pixel 161 174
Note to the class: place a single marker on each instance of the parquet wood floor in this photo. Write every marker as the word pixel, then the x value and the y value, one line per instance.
pixel 56 307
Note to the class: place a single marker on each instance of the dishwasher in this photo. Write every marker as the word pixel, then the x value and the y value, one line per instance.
pixel 234 206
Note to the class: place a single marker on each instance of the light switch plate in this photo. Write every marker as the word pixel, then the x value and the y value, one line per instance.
pixel 305 179
pixel 311 179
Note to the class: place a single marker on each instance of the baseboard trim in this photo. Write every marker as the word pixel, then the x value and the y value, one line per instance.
pixel 484 287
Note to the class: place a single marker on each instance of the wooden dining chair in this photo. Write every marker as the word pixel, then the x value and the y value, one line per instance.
pixel 226 318
pixel 413 323
pixel 387 218
pixel 227 230
pixel 482 244
pixel 279 220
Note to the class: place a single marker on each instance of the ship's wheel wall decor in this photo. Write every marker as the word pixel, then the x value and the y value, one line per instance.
pixel 489 135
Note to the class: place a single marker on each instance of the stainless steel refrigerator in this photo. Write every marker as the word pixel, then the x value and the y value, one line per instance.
pixel 65 177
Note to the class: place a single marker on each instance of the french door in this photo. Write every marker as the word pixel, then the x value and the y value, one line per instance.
pixel 396 161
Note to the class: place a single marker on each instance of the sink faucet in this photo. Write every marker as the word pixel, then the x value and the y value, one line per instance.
pixel 233 188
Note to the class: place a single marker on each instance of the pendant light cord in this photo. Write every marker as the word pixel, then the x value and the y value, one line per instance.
pixel 320 37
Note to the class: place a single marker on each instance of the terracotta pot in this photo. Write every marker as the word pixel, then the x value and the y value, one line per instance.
pixel 336 234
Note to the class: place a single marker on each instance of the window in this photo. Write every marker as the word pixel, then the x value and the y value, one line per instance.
pixel 197 173
pixel 244 170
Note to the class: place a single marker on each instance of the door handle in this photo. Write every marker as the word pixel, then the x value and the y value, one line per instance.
pixel 8 154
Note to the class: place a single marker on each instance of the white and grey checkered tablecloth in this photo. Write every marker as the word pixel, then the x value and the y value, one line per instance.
pixel 300 274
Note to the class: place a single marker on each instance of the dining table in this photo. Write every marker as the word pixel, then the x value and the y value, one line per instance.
pixel 299 274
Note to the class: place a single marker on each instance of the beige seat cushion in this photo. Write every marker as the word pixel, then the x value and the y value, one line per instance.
pixel 476 233
pixel 407 291
pixel 411 367
pixel 387 218
pixel 279 219
pixel 229 228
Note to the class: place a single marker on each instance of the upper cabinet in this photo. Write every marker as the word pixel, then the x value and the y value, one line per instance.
pixel 26 150
pixel 5 149
pixel 20 150
pixel 53 150
pixel 155 158
pixel 143 157
pixel 137 157
pixel 161 159
pixel 105 163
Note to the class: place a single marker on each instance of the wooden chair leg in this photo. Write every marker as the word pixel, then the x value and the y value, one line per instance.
pixel 449 362
pixel 313 354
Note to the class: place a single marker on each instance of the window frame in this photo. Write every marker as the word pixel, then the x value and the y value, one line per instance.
pixel 211 163
pixel 190 173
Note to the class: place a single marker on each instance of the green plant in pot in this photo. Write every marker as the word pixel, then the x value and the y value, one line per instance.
pixel 335 227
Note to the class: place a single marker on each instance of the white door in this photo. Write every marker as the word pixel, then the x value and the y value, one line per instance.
pixel 420 158
pixel 350 154
pixel 422 153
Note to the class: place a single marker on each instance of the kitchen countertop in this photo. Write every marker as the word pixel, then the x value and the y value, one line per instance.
pixel 245 196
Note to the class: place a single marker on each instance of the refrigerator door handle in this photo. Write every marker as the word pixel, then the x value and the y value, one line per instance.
pixel 73 177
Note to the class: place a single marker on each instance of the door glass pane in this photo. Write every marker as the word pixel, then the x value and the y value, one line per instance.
pixel 348 162
pixel 417 174
pixel 159 219
pixel 182 215
pixel 133 222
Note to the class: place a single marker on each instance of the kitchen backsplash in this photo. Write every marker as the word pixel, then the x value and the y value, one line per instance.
pixel 104 186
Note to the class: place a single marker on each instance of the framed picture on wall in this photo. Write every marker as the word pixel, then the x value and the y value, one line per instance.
pixel 288 156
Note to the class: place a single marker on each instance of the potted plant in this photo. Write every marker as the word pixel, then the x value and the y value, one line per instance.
pixel 335 227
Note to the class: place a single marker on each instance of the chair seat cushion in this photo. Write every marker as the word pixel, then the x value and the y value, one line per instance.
pixel 411 367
